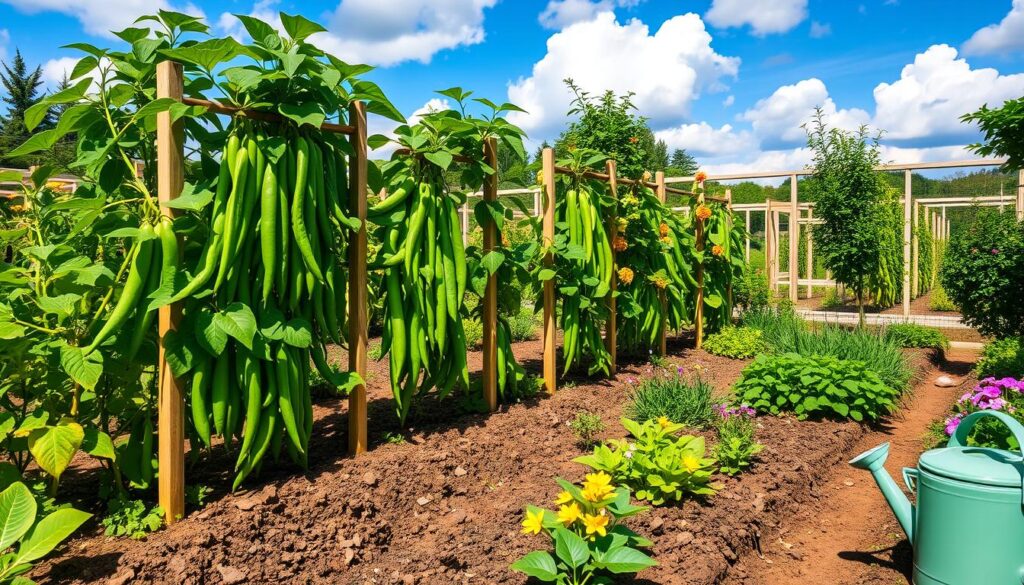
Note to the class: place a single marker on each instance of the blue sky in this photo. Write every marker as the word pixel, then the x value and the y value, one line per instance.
pixel 730 80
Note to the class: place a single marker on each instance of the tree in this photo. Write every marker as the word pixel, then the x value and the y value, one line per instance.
pixel 682 164
pixel 1004 132
pixel 849 199
pixel 22 88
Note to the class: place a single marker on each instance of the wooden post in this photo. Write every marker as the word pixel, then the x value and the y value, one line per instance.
pixel 746 238
pixel 548 176
pixel 768 243
pixel 729 225
pixel 490 312
pixel 810 253
pixel 357 301
pixel 612 332
pixel 698 317
pixel 794 241
pixel 776 230
pixel 170 157
pixel 908 203
pixel 1020 196
pixel 915 254
pixel 465 221
pixel 659 179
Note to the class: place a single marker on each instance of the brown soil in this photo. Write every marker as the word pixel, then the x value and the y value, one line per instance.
pixel 847 535
pixel 445 505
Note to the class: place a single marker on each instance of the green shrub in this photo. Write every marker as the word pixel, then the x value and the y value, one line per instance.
pixel 983 273
pixel 132 518
pixel 474 333
pixel 524 324
pixel 1002 358
pixel 808 385
pixel 913 335
pixel 736 447
pixel 674 397
pixel 736 342
pixel 939 301
pixel 586 425
pixel 658 465
pixel 751 291
pixel 832 299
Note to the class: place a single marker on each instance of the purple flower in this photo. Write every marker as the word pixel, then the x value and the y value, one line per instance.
pixel 631 380
pixel 990 391
pixel 995 251
pixel 679 370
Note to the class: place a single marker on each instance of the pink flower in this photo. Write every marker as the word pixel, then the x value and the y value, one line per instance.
pixel 952 423
pixel 995 251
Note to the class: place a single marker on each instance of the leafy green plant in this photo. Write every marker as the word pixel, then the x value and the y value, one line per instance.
pixel 675 397
pixel 523 325
pixel 913 335
pixel 736 342
pixel 751 291
pixel 939 300
pixel 659 465
pixel 394 438
pixel 813 385
pixel 586 426
pixel 1002 358
pixel 1004 394
pixel 132 518
pixel 25 537
pixel 832 299
pixel 375 352
pixel 983 273
pixel 589 540
pixel 777 326
pixel 196 494
pixel 736 447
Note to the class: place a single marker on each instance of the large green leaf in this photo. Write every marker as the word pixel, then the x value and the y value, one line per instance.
pixel 17 514
pixel 626 560
pixel 54 446
pixel 83 369
pixel 238 321
pixel 571 548
pixel 50 532
pixel 98 444
pixel 537 564
pixel 299 27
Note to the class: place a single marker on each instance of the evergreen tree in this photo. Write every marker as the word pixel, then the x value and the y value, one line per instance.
pixel 22 91
pixel 659 158
pixel 682 164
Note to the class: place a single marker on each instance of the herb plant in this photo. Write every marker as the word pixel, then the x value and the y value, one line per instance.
pixel 1002 358
pixel 586 426
pixel 815 385
pixel 737 446
pixel 913 335
pixel 675 397
pixel 589 541
pixel 736 342
pixel 657 464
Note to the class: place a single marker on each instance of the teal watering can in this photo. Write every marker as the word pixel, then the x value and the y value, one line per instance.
pixel 967 527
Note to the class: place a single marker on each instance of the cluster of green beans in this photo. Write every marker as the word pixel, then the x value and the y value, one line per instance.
pixel 277 235
pixel 584 277
pixel 424 264
pixel 722 260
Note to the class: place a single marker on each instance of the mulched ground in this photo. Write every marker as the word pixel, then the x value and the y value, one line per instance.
pixel 445 506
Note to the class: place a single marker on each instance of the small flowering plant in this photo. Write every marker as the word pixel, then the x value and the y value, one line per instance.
pixel 736 446
pixel 590 543
pixel 658 464
pixel 1005 394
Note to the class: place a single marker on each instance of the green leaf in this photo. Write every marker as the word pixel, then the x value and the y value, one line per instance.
pixel 207 54
pixel 377 140
pixel 17 514
pixel 83 369
pixel 305 113
pixel 440 158
pixel 298 333
pixel 98 444
pixel 538 564
pixel 209 334
pixel 299 27
pixel 179 351
pixel 626 560
pixel 50 532
pixel 36 143
pixel 492 261
pixel 155 107
pixel 257 29
pixel 62 305
pixel 54 446
pixel 191 199
pixel 571 548
pixel 238 321
pixel 10 330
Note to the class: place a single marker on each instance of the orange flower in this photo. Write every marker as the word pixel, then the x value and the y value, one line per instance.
pixel 703 212
pixel 625 275
pixel 633 139
pixel 620 244
pixel 663 229
pixel 700 177
pixel 717 250
pixel 660 281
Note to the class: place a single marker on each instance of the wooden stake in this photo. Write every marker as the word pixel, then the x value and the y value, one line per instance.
pixel 729 224
pixel 548 176
pixel 810 253
pixel 357 302
pixel 170 145
pixel 794 240
pixel 490 312
pixel 611 332
pixel 659 180
pixel 915 254
pixel 1020 197
pixel 746 238
pixel 698 317
pixel 908 203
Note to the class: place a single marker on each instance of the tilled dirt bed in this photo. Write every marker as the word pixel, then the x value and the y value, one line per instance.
pixel 445 505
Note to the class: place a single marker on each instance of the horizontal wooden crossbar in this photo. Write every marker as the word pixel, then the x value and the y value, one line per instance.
pixel 219 108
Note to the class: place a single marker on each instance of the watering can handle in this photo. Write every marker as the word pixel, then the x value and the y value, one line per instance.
pixel 959 438
pixel 910 479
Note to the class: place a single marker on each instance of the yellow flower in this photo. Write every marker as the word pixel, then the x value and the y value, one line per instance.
pixel 597 486
pixel 625 275
pixel 623 224
pixel 691 463
pixel 664 422
pixel 660 281
pixel 703 212
pixel 596 523
pixel 717 250
pixel 563 498
pixel 569 514
pixel 534 522
pixel 663 229
pixel 666 240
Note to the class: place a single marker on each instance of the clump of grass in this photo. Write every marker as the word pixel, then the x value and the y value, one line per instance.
pixel 913 335
pixel 375 351
pixel 586 426
pixel 677 398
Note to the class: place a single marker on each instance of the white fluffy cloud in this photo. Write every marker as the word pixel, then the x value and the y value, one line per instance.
pixel 667 70
pixel 55 70
pixel 387 32
pixel 924 106
pixel 777 119
pixel 1006 36
pixel 99 17
pixel 703 140
pixel 764 16
pixel 559 14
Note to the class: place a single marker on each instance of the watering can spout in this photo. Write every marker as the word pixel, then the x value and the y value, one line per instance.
pixel 873 460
